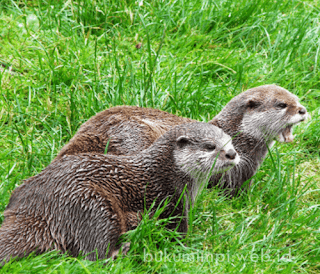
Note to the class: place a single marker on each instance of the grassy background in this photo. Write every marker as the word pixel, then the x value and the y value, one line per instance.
pixel 64 61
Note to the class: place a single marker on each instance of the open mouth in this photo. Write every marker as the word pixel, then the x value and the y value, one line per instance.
pixel 286 135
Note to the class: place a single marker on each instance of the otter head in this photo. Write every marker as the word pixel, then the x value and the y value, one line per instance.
pixel 263 113
pixel 203 149
pixel 270 113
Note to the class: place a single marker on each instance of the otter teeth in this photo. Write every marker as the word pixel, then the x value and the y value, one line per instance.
pixel 286 135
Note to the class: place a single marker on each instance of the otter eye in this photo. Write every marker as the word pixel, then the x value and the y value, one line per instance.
pixel 282 105
pixel 210 147
pixel 182 141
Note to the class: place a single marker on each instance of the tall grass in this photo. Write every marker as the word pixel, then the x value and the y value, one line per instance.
pixel 64 61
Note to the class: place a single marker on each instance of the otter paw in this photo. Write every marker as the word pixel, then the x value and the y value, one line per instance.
pixel 125 248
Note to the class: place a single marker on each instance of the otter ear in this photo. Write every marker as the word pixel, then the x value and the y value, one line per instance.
pixel 182 141
pixel 252 103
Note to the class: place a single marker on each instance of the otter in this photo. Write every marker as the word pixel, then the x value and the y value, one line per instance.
pixel 254 118
pixel 82 203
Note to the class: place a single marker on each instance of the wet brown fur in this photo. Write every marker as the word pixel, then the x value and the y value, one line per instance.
pixel 84 202
pixel 122 125
pixel 131 129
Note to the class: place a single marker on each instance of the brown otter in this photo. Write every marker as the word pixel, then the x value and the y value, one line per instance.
pixel 254 118
pixel 84 202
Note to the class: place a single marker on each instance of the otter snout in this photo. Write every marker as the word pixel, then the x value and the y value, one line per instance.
pixel 302 111
pixel 231 154
pixel 301 114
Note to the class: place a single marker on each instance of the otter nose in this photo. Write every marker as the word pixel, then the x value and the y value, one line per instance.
pixel 302 111
pixel 231 154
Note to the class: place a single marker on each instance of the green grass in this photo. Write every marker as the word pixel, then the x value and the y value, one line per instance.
pixel 64 61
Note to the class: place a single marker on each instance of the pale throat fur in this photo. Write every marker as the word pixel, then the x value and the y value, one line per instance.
pixel 256 119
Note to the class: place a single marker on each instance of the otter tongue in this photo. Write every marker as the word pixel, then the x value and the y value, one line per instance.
pixel 287 134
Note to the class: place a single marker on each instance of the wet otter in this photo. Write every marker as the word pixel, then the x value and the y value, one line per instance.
pixel 84 202
pixel 255 118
